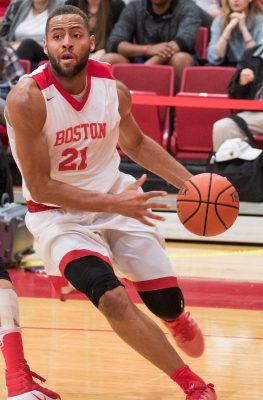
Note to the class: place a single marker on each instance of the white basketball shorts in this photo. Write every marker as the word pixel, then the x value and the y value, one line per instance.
pixel 136 251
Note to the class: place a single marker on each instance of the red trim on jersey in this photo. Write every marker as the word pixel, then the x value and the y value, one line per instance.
pixel 77 105
pixel 156 284
pixel 38 207
pixel 41 78
pixel 45 78
pixel 99 70
pixel 76 254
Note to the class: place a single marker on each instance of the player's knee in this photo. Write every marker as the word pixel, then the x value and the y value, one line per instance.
pixel 166 303
pixel 115 303
pixel 92 276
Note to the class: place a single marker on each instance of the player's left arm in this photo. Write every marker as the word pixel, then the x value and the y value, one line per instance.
pixel 142 149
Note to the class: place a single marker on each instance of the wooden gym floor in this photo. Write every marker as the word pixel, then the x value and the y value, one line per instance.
pixel 73 347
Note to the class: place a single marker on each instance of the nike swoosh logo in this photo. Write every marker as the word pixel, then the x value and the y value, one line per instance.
pixel 39 397
pixel 50 98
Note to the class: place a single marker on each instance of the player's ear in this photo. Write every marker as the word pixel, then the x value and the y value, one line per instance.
pixel 92 43
pixel 45 46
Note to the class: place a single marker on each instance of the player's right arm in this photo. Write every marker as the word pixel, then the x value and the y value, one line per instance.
pixel 26 113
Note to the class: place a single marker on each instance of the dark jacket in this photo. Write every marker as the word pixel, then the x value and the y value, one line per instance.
pixel 252 59
pixel 138 22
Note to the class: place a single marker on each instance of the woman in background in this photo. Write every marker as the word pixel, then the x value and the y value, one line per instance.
pixel 212 7
pixel 237 28
pixel 23 26
pixel 102 16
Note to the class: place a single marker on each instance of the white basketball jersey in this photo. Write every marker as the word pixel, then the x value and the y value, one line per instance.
pixel 81 136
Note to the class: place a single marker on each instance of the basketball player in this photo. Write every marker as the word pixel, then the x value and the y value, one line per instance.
pixel 64 122
pixel 19 378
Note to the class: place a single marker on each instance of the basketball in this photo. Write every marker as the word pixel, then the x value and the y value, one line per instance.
pixel 207 204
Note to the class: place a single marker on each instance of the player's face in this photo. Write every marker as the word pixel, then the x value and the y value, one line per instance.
pixel 68 44
pixel 239 5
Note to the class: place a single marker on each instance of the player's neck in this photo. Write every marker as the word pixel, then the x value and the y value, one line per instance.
pixel 73 85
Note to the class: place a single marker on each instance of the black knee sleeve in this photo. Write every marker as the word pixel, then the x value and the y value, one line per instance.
pixel 3 272
pixel 166 303
pixel 91 276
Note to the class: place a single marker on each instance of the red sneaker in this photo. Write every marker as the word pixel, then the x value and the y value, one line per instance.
pixel 187 334
pixel 20 386
pixel 201 393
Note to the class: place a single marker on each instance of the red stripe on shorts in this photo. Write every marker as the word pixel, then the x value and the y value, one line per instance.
pixel 75 254
pixel 156 284
pixel 38 207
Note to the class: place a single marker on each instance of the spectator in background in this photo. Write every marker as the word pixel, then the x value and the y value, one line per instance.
pixel 209 9
pixel 247 83
pixel 10 72
pixel 240 26
pixel 102 16
pixel 3 6
pixel 212 7
pixel 156 32
pixel 24 26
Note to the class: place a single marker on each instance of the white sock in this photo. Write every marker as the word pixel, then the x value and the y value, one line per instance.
pixel 9 312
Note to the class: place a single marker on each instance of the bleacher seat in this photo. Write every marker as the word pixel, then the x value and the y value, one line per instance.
pixel 202 43
pixel 26 64
pixel 192 138
pixel 159 79
pixel 259 141
pixel 206 79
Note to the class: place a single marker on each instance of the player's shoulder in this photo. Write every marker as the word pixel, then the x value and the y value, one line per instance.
pixel 25 91
pixel 25 99
pixel 99 69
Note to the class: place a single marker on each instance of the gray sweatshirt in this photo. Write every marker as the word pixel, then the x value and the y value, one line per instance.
pixel 138 22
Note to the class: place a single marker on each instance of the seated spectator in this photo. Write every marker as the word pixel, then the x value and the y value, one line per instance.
pixel 10 72
pixel 240 26
pixel 155 32
pixel 212 7
pixel 3 6
pixel 24 26
pixel 102 16
pixel 247 83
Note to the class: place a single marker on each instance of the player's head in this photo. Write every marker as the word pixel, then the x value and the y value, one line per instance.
pixel 68 41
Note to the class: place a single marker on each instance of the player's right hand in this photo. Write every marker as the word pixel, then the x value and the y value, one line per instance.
pixel 132 202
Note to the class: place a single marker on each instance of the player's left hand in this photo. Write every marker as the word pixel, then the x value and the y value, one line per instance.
pixel 135 204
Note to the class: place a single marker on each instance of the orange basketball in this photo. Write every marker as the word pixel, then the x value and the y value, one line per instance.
pixel 207 204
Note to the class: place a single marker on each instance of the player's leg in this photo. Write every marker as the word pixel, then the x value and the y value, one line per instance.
pixel 95 277
pixel 143 261
pixel 19 378
pixel 65 240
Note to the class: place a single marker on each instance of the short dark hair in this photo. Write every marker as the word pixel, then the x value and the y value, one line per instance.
pixel 64 10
